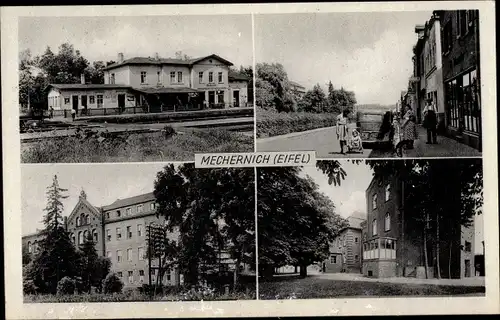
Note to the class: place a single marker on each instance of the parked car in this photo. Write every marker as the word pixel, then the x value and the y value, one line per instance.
pixel 369 125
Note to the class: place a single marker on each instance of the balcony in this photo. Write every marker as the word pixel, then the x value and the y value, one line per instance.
pixel 380 249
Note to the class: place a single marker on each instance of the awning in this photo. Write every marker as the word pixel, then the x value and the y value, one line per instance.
pixel 161 90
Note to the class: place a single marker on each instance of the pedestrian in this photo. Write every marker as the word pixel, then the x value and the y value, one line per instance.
pixel 409 128
pixel 73 114
pixel 355 143
pixel 51 112
pixel 397 139
pixel 342 130
pixel 430 122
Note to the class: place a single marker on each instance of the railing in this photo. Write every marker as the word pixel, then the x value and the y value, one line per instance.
pixel 66 113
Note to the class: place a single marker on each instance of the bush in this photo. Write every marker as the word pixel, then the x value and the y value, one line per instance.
pixel 271 123
pixel 112 284
pixel 66 286
pixel 168 131
pixel 29 286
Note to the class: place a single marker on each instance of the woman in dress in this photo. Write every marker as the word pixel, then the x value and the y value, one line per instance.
pixel 409 128
pixel 342 130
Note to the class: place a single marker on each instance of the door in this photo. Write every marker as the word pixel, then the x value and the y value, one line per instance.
pixel 211 98
pixel 84 104
pixel 467 268
pixel 75 103
pixel 236 98
pixel 121 102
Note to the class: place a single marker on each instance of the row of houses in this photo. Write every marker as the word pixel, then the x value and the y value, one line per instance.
pixel 383 242
pixel 119 231
pixel 156 84
pixel 446 69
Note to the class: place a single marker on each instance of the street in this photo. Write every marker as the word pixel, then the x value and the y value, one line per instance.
pixel 324 142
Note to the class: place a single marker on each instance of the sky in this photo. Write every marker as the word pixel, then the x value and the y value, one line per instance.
pixel 365 52
pixel 102 38
pixel 350 196
pixel 103 184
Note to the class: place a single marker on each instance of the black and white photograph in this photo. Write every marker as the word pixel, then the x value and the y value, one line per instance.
pixel 369 84
pixel 146 232
pixel 145 88
pixel 376 228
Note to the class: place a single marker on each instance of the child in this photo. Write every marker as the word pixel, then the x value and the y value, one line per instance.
pixel 396 140
pixel 355 142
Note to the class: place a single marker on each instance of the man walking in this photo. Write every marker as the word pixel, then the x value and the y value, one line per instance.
pixel 430 122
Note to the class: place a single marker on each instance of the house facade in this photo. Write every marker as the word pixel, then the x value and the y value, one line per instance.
pixel 345 250
pixel 392 245
pixel 461 75
pixel 153 85
pixel 119 231
pixel 297 89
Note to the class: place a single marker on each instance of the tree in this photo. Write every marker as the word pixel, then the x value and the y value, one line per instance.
pixel 314 100
pixel 57 257
pixel 181 56
pixel 248 72
pixel 26 77
pixel 93 269
pixel 26 255
pixel 272 88
pixel 212 211
pixel 95 73
pixel 296 222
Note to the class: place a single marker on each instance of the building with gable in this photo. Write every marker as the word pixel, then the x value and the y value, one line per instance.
pixel 144 84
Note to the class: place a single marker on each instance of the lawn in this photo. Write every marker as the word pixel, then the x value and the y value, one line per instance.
pixel 131 296
pixel 315 288
pixel 136 147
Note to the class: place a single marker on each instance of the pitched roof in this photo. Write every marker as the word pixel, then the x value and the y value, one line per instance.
pixel 234 75
pixel 168 61
pixel 79 86
pixel 296 84
pixel 355 222
pixel 120 203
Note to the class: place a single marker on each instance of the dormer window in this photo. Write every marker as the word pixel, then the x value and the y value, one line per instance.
pixel 139 208
pixel 129 211
pixel 118 214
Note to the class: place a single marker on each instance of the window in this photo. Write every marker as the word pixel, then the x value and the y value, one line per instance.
pixel 94 235
pixel 221 80
pixel 387 222
pixel 112 79
pixel 333 259
pixel 374 227
pixel 77 221
pixel 66 100
pixel 210 77
pixel 80 237
pixel 220 97
pixel 118 233
pixel 120 274
pixel 85 236
pixel 468 246
pixel 143 77
pixel 108 234
pixel 356 258
pixel 141 276
pixel 462 22
pixel 374 201
pixel 141 253
pixel 152 206
pixel 356 239
pixel 200 77
pixel 129 232
pixel 464 111
pixel 129 254
pixel 153 278
pixel 167 272
pixel 388 192
pixel 118 213
pixel 99 100
pixel 139 208
pixel 158 74
pixel 91 99
pixel 107 215
pixel 73 238
pixel 447 37
pixel 172 76
pixel 139 230
pixel 30 248
pixel 109 255
pixel 118 255
pixel 131 277
pixel 129 211
pixel 179 76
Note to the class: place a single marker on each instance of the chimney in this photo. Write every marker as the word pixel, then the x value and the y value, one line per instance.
pixel 120 57
pixel 82 78
pixel 157 57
